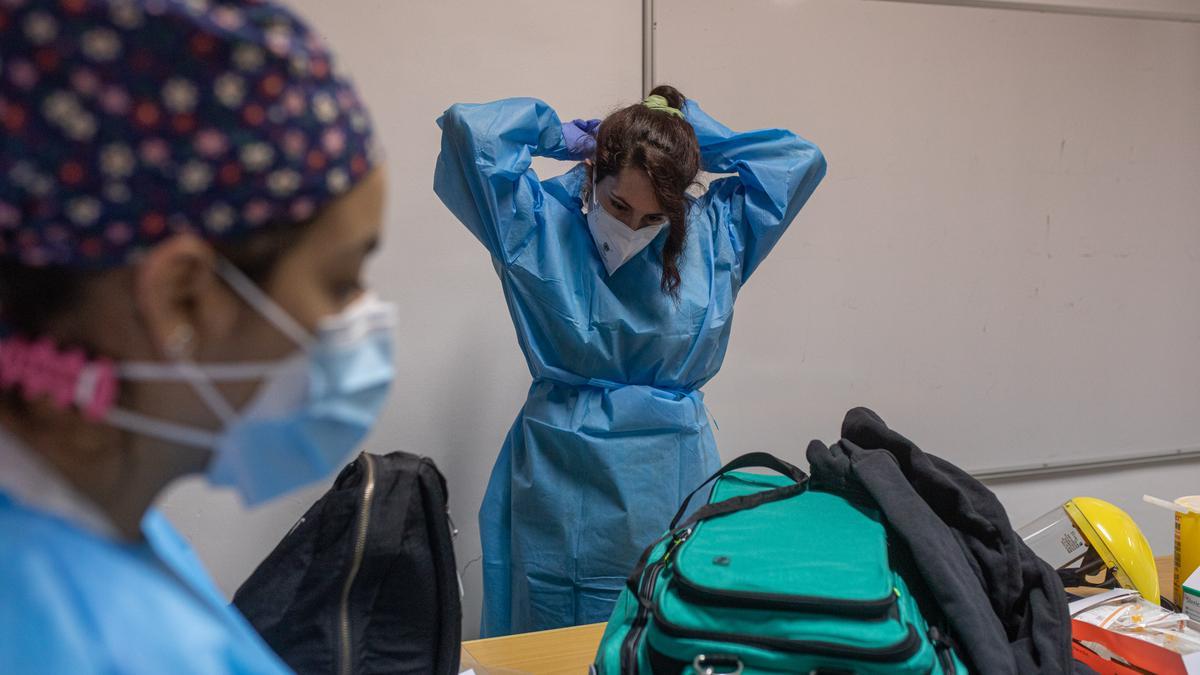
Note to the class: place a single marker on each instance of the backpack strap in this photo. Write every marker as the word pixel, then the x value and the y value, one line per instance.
pixel 751 459
pixel 678 532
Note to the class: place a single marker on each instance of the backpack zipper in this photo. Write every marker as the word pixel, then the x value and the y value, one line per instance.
pixel 870 609
pixel 629 661
pixel 360 546
pixel 894 653
pixel 944 650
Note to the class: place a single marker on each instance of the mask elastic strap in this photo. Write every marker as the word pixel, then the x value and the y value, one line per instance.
pixel 163 430
pixel 259 300
pixel 218 372
pixel 594 202
pixel 199 377
pixel 255 297
pixel 204 388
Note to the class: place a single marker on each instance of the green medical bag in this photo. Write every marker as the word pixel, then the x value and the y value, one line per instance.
pixel 773 577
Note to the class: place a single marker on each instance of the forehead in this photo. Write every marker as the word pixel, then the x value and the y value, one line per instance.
pixel 353 219
pixel 633 186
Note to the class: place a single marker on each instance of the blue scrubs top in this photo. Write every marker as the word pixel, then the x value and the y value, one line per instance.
pixel 74 601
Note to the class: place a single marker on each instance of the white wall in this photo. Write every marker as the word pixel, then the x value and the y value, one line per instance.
pixel 794 363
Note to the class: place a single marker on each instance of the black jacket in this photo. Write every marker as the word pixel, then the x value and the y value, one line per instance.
pixel 366 581
pixel 1005 607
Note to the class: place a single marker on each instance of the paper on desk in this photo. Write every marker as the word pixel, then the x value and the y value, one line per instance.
pixel 1084 604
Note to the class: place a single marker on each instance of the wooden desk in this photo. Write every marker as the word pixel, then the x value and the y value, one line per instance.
pixel 569 651
pixel 566 651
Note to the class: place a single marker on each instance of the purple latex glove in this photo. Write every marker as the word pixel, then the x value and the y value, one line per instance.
pixel 580 138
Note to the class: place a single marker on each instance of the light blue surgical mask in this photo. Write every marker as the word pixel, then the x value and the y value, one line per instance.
pixel 311 410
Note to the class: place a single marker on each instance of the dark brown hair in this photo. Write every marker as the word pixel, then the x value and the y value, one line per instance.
pixel 665 147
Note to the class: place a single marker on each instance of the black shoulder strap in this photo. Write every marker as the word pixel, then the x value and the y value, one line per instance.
pixel 751 459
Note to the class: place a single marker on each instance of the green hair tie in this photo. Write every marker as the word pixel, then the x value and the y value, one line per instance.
pixel 656 102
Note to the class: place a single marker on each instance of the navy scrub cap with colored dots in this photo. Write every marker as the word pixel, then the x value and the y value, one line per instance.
pixel 123 122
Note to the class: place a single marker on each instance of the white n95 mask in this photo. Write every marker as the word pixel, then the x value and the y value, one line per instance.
pixel 311 410
pixel 616 241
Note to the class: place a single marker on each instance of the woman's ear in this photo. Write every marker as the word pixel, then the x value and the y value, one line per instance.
pixel 180 298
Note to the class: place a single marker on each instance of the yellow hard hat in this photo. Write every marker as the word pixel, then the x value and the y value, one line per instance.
pixel 1119 542
pixel 1086 536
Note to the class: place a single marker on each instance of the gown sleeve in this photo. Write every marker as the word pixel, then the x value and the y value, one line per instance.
pixel 776 171
pixel 483 173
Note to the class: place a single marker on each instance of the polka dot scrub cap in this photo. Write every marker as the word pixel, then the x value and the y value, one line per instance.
pixel 123 122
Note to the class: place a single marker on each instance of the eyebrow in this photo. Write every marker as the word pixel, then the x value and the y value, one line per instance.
pixel 616 197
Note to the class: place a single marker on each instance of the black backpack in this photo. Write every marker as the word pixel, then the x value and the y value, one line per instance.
pixel 366 581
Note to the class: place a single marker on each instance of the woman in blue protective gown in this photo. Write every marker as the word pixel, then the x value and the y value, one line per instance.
pixel 621 288
pixel 187 197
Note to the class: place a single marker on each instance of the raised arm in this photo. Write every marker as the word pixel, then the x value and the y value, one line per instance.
pixel 776 172
pixel 483 173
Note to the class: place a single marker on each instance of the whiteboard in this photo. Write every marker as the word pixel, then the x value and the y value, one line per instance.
pixel 1004 260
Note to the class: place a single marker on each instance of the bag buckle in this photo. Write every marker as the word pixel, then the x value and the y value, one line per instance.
pixel 676 540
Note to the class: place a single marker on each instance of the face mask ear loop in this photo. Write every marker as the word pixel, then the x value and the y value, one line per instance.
pixel 205 389
pixel 259 300
pixel 155 428
pixel 197 376
pixel 157 371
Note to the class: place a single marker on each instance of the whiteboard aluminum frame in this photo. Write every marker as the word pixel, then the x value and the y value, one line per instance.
pixel 1053 468
pixel 1155 10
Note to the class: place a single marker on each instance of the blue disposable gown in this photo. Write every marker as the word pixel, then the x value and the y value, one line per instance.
pixel 614 432
pixel 76 602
